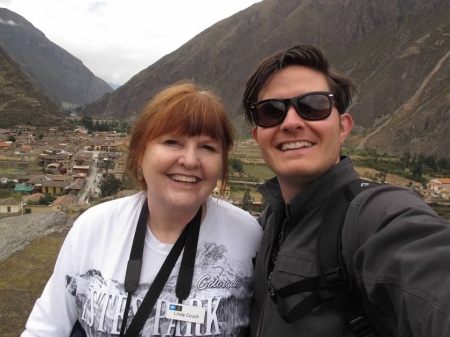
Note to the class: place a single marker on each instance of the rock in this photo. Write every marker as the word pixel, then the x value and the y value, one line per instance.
pixel 17 232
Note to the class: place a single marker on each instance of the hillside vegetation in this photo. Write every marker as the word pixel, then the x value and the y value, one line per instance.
pixel 22 280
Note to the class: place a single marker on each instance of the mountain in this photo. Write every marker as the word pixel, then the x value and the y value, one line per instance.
pixel 20 101
pixel 60 75
pixel 397 51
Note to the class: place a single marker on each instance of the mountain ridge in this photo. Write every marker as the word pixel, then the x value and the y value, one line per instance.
pixel 397 51
pixel 62 76
pixel 389 48
pixel 20 101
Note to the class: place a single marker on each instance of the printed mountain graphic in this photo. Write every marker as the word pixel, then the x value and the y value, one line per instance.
pixel 219 288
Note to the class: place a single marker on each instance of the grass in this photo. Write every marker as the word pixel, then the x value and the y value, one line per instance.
pixel 238 193
pixel 22 280
pixel 258 171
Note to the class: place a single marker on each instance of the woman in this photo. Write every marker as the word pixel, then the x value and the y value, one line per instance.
pixel 105 273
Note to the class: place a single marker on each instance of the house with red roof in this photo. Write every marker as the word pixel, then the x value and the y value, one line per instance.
pixel 439 186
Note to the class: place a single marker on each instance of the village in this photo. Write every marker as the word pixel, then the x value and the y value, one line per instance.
pixel 66 167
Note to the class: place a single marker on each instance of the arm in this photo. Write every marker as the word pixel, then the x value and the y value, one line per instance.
pixel 401 254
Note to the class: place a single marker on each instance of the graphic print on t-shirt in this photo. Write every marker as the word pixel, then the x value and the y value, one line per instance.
pixel 221 286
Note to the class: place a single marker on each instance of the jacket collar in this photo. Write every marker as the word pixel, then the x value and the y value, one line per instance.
pixel 318 192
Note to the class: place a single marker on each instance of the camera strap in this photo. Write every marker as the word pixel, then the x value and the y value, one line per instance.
pixel 187 240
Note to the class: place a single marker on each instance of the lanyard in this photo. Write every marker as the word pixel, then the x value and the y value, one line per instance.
pixel 187 240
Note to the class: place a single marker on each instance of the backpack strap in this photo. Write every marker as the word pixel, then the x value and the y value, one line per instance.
pixel 333 282
pixel 330 261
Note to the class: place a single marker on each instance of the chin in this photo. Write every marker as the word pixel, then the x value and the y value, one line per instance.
pixel 298 172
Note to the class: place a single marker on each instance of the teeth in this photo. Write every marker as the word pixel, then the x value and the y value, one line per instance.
pixel 296 145
pixel 184 179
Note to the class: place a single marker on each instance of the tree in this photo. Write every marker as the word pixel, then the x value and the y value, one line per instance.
pixel 107 164
pixel 431 162
pixel 110 185
pixel 406 159
pixel 443 164
pixel 247 200
pixel 128 182
pixel 46 200
pixel 417 171
pixel 236 164
pixel 87 122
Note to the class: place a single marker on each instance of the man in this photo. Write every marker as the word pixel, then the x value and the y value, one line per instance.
pixel 396 248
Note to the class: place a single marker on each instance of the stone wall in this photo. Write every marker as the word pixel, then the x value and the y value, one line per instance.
pixel 16 232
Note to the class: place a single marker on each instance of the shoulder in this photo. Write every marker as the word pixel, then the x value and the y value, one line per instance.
pixel 231 226
pixel 385 199
pixel 224 207
pixel 112 210
pixel 110 221
pixel 385 213
pixel 118 203
pixel 224 210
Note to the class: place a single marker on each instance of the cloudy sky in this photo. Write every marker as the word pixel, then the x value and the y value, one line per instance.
pixel 116 39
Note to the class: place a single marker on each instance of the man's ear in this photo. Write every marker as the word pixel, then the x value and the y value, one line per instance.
pixel 255 134
pixel 346 126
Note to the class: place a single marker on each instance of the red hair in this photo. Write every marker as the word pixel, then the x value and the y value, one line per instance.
pixel 182 108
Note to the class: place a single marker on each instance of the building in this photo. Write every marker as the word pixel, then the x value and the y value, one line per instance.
pixel 439 186
pixel 10 205
pixel 247 152
pixel 217 190
pixel 59 204
pixel 24 189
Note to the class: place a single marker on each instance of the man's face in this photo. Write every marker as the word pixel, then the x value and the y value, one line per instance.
pixel 298 151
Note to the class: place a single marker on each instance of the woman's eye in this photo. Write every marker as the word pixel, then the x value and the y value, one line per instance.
pixel 210 148
pixel 170 142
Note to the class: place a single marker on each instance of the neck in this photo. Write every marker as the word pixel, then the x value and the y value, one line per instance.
pixel 167 226
pixel 290 189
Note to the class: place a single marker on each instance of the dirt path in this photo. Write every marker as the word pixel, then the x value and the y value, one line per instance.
pixel 406 105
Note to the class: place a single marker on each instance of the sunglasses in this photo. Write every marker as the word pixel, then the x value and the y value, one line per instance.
pixel 312 106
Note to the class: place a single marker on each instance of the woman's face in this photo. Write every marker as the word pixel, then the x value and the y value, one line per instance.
pixel 181 171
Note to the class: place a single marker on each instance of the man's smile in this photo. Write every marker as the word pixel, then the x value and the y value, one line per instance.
pixel 294 145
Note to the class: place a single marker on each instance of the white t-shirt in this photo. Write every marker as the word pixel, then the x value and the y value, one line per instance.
pixel 88 279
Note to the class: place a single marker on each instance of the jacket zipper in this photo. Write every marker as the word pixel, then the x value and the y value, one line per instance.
pixel 266 265
pixel 283 228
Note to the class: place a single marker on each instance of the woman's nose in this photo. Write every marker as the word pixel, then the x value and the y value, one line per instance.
pixel 189 158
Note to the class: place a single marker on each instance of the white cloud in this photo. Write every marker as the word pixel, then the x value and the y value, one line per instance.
pixel 116 39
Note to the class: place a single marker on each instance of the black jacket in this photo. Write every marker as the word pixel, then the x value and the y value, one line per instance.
pixel 393 243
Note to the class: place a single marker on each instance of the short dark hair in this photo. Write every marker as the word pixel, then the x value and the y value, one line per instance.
pixel 303 55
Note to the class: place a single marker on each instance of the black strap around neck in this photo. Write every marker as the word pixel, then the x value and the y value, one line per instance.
pixel 187 240
pixel 186 272
pixel 134 266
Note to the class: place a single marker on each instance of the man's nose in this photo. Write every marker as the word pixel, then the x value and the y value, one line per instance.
pixel 292 119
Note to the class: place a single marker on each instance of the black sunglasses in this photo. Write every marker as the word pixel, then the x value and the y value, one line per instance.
pixel 312 106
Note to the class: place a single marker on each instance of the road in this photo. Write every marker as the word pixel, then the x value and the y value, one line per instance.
pixel 91 186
